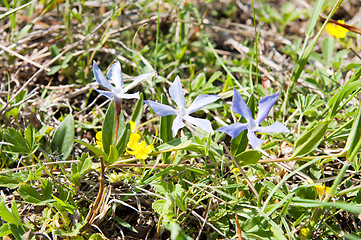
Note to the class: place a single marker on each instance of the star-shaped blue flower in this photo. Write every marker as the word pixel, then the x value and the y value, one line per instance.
pixel 117 91
pixel 182 114
pixel 252 125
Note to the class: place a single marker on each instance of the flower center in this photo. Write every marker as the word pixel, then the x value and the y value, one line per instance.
pixel 252 125
pixel 182 112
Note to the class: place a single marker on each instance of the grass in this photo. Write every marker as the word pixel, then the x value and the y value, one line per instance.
pixel 57 182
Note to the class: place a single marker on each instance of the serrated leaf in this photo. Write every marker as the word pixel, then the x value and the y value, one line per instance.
pixel 47 188
pixel 62 140
pixel 248 157
pixel 79 169
pixel 162 206
pixel 310 139
pixel 13 180
pixel 30 194
pixel 17 142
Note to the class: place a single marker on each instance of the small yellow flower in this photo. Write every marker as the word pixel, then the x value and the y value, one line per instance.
pixel 336 30
pixel 140 150
pixel 98 139
pixel 322 190
pixel 133 139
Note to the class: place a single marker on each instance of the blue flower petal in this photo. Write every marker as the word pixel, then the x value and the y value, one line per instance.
pixel 100 78
pixel 265 105
pixel 201 101
pixel 239 106
pixel 176 93
pixel 253 139
pixel 201 123
pixel 277 127
pixel 160 109
pixel 234 129
pixel 177 124
pixel 115 75
pixel 129 96
pixel 108 94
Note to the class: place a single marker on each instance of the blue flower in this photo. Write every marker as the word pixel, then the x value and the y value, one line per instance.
pixel 117 91
pixel 182 114
pixel 252 125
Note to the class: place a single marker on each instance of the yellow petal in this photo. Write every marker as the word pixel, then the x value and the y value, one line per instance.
pixel 336 30
pixel 132 125
pixel 134 137
pixel 98 136
pixel 133 145
pixel 149 149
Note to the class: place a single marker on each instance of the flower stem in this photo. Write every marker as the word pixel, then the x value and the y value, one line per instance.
pixel 116 131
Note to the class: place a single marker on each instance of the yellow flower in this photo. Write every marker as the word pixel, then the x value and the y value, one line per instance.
pixel 322 190
pixel 140 150
pixel 133 139
pixel 98 139
pixel 336 30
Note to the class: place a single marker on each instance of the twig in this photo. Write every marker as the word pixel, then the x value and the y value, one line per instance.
pixel 95 206
pixel 206 217
pixel 35 165
pixel 241 170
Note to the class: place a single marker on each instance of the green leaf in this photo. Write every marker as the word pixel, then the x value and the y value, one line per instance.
pixel 327 49
pixel 353 143
pixel 138 109
pixel 8 215
pixel 47 188
pixel 64 205
pixel 123 140
pixel 54 70
pixel 18 143
pixel 124 224
pixel 310 139
pixel 352 85
pixel 30 194
pixel 239 144
pixel 112 157
pixel 92 148
pixel 165 124
pixel 109 127
pixel 5 230
pixel 29 135
pixel 13 180
pixel 162 206
pixel 79 169
pixel 248 157
pixel 176 144
pixel 309 203
pixel 62 140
